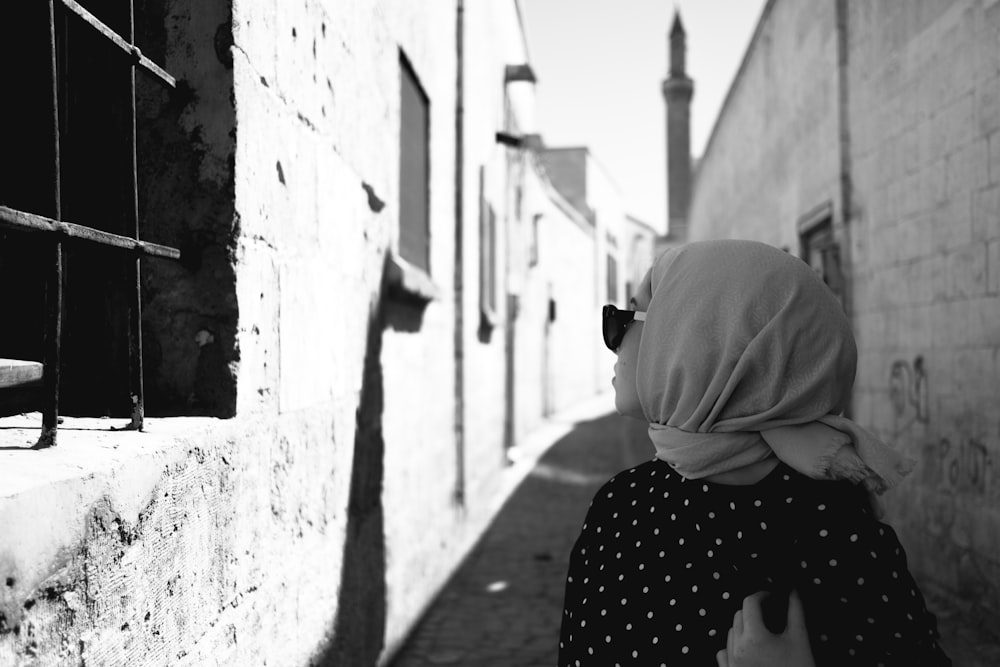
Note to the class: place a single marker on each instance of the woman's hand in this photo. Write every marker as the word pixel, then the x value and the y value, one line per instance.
pixel 751 644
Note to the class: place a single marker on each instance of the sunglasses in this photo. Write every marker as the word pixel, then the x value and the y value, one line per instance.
pixel 615 322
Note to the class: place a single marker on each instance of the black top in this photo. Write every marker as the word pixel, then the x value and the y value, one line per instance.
pixel 663 563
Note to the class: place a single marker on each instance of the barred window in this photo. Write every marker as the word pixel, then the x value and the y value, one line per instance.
pixel 69 212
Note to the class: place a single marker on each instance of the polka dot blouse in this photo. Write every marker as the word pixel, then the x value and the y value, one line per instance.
pixel 663 563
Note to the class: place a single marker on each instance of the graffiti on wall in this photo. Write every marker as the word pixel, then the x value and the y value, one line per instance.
pixel 908 392
pixel 965 465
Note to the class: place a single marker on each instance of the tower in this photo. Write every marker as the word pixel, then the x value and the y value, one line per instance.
pixel 678 89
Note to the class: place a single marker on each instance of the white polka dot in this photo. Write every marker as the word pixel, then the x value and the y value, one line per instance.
pixel 686 502
pixel 621 577
pixel 656 640
pixel 702 612
pixel 739 534
pixel 823 638
pixel 732 506
pixel 607 639
pixel 637 543
pixel 756 503
pixel 673 601
pixel 871 620
pixel 833 562
pixel 704 487
pixel 667 578
pixel 678 627
pixel 635 654
pixel 854 537
pixel 611 494
pixel 711 515
pixel 649 614
pixel 823 533
pixel 635 521
pixel 684 650
pixel 788 500
pixel 763 526
pixel 642 566
pixel 710 553
pixel 656 531
pixel 715 575
pixel 817 581
pixel 604 612
pixel 666 494
pixel 694 589
pixel 859 638
pixel 583 623
pixel 718 540
pixel 712 632
pixel 624 601
pixel 725 595
pixel 680 541
pixel 628 626
pixel 662 554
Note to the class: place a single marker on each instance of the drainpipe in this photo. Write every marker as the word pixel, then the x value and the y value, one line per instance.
pixel 843 234
pixel 459 493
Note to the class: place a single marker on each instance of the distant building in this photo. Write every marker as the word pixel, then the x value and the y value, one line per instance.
pixel 678 89
pixel 865 138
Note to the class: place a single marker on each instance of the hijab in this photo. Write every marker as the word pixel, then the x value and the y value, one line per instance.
pixel 746 354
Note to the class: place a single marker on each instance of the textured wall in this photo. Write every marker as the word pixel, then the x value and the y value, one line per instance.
pixel 921 241
pixel 925 131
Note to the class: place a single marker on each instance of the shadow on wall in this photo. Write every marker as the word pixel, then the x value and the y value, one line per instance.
pixel 359 629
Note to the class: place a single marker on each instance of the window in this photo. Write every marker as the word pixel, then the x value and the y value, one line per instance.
pixel 414 170
pixel 69 221
pixel 820 249
pixel 612 279
pixel 533 249
pixel 487 252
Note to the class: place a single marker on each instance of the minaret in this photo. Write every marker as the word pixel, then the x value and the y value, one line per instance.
pixel 677 92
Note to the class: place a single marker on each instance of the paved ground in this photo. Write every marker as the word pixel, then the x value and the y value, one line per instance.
pixel 502 608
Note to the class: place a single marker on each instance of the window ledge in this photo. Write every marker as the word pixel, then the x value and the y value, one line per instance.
pixel 410 283
pixel 46 495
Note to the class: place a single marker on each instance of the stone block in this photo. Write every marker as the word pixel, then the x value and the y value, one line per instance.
pixel 984 322
pixel 988 104
pixel 993 267
pixel 994 158
pixel 967 271
pixel 986 213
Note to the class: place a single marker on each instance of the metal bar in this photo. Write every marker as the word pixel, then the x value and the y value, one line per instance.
pixel 53 282
pixel 125 45
pixel 135 295
pixel 31 222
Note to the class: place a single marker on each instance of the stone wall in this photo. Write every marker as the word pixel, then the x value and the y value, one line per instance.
pixel 911 119
pixel 924 92
pixel 369 407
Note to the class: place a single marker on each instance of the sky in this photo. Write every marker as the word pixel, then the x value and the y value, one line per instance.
pixel 600 65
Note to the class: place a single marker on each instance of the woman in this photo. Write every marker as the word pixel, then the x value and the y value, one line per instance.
pixel 741 360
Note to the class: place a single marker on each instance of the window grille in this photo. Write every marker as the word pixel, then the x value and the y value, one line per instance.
pixel 41 225
pixel 414 170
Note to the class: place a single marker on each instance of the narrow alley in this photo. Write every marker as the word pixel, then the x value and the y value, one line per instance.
pixel 502 608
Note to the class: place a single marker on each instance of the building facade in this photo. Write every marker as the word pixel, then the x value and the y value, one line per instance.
pixel 864 137
pixel 380 291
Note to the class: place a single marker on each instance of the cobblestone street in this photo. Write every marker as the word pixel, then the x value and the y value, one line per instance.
pixel 502 608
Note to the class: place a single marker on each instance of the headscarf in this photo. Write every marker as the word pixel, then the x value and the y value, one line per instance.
pixel 746 354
